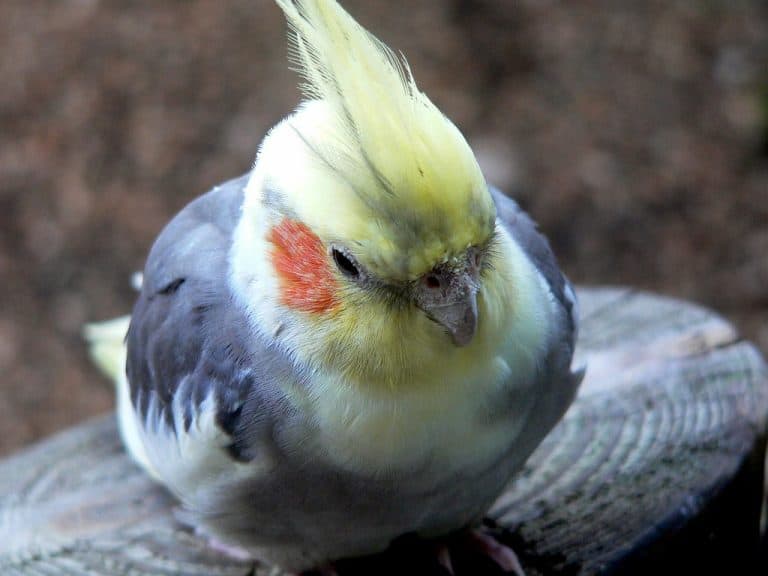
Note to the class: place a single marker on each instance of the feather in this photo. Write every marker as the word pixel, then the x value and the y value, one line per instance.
pixel 385 139
pixel 107 348
pixel 106 345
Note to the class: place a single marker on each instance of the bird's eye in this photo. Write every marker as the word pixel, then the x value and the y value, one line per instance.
pixel 345 264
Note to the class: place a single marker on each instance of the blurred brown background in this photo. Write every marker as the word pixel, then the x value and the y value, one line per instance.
pixel 635 132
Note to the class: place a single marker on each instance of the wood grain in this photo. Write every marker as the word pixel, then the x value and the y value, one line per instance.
pixel 670 415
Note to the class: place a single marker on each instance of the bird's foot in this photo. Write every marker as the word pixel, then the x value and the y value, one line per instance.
pixel 479 541
pixel 501 554
pixel 229 550
pixel 443 554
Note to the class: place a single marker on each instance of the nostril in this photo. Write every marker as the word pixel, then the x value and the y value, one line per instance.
pixel 432 281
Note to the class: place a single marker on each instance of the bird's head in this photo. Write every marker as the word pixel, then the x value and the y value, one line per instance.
pixel 368 229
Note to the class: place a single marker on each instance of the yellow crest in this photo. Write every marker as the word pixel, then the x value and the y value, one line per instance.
pixel 403 158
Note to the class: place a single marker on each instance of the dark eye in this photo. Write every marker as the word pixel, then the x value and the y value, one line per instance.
pixel 345 264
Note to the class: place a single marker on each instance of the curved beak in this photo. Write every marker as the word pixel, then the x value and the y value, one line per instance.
pixel 448 295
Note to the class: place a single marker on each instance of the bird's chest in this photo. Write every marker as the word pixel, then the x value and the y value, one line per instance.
pixel 453 426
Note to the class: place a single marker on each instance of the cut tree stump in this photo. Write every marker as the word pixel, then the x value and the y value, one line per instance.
pixel 657 466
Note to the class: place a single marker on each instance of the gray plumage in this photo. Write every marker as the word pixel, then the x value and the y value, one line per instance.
pixel 190 340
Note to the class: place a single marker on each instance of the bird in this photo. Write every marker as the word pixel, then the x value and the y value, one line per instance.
pixel 358 339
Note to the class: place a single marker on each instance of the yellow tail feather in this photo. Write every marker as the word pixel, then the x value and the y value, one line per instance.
pixel 106 345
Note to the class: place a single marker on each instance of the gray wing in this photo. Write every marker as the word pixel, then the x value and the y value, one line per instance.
pixel 559 383
pixel 525 232
pixel 188 338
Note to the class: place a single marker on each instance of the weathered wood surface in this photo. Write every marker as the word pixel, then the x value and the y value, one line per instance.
pixel 666 428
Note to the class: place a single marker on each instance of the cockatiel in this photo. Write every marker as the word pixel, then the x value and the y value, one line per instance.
pixel 358 339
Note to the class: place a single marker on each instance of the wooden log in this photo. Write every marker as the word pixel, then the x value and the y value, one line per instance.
pixel 657 464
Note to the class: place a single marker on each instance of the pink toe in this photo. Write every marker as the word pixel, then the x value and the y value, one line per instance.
pixel 233 552
pixel 444 558
pixel 504 557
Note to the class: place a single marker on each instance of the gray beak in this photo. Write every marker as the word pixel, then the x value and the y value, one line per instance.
pixel 448 295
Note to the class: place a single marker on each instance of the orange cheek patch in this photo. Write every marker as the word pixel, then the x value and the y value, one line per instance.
pixel 306 281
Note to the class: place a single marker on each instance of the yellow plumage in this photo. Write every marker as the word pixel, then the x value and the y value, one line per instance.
pixel 107 345
pixel 409 182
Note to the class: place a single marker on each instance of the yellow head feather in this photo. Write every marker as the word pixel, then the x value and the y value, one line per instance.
pixel 418 194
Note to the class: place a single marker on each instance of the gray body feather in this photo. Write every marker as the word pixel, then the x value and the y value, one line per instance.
pixel 190 341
